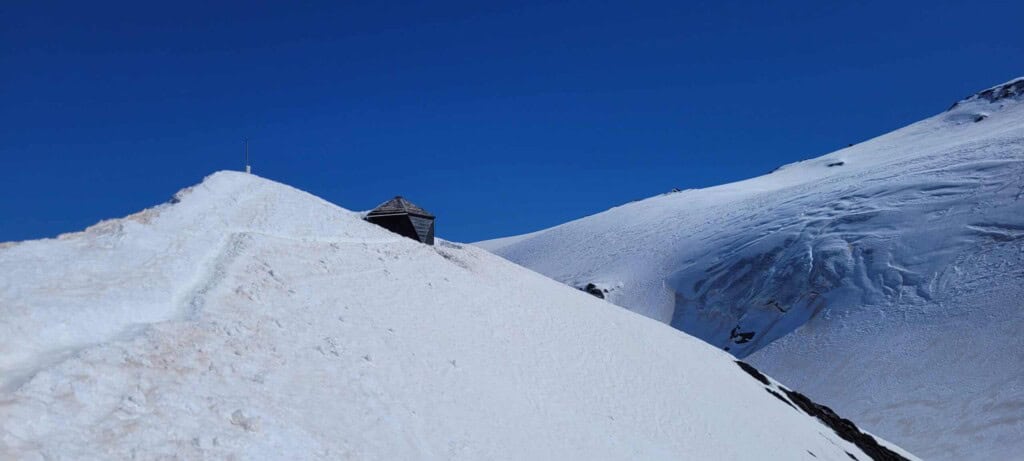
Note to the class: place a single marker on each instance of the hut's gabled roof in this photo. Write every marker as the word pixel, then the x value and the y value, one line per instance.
pixel 398 206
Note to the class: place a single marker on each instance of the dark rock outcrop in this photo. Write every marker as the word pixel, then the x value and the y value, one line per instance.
pixel 843 427
pixel 594 290
pixel 1012 89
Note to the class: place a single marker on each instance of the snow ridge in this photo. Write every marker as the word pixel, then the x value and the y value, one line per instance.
pixel 249 320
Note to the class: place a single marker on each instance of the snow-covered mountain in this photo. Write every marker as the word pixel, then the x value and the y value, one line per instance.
pixel 250 320
pixel 885 279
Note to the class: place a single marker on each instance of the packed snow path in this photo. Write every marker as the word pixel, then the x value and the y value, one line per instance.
pixel 892 271
pixel 249 320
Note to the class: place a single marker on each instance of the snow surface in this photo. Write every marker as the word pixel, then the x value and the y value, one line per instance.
pixel 250 320
pixel 885 279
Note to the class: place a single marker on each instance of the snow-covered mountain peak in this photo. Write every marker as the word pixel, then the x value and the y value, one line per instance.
pixel 227 200
pixel 135 270
pixel 884 275
pixel 248 320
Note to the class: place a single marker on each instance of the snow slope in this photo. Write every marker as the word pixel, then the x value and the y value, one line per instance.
pixel 885 279
pixel 250 320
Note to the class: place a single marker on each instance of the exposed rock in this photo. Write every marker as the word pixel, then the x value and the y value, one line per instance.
pixel 843 427
pixel 753 372
pixel 741 337
pixel 1012 89
pixel 594 290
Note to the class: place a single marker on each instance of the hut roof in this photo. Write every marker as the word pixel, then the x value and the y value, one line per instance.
pixel 398 206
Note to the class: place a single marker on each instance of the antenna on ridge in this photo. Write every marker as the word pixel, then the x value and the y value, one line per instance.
pixel 248 168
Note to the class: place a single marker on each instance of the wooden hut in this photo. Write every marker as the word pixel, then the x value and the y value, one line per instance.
pixel 402 217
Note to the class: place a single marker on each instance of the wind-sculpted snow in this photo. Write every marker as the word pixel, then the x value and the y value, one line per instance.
pixel 884 241
pixel 248 320
pixel 884 279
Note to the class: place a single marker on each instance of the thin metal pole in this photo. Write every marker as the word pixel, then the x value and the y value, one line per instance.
pixel 248 169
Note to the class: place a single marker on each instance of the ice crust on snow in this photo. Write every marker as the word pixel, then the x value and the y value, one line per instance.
pixel 251 320
pixel 884 279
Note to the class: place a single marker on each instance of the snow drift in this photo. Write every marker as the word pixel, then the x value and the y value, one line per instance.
pixel 247 319
pixel 885 278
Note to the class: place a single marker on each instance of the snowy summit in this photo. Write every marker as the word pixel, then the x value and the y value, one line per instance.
pixel 250 320
pixel 884 279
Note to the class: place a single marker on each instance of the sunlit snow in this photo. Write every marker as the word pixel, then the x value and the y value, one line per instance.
pixel 885 279
pixel 250 320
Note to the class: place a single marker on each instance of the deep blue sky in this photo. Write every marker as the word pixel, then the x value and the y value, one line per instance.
pixel 499 118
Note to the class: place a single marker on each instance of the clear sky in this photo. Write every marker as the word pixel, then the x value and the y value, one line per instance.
pixel 499 118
